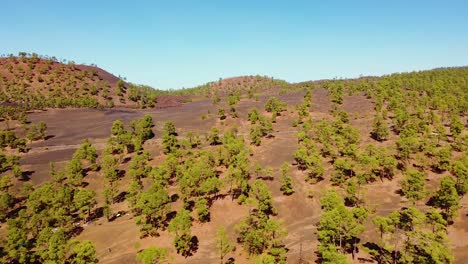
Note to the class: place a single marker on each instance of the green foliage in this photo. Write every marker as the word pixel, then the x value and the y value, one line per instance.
pixel 380 129
pixel 7 201
pixel 52 245
pixel 36 132
pixel 87 152
pixel 344 168
pixel 330 254
pixel 459 169
pixel 287 186
pixel 375 162
pixel 406 146
pixel 198 176
pixel 443 156
pixel 74 172
pixel 168 169
pixel 420 245
pixel 338 227
pixel 456 125
pixel 221 114
pixel 258 233
pixel 152 255
pixel 261 197
pixel 117 128
pixel 413 185
pixel 8 162
pixel 169 138
pixel 253 116
pixel 303 110
pixel 213 138
pixel 9 138
pixel 83 253
pixel 335 137
pixel 353 192
pixel 109 168
pixel 255 135
pixel 152 207
pixel 264 128
pixel 17 244
pixel 145 96
pixel 223 245
pixel 336 90
pixel 181 225
pixel 138 167
pixel 309 159
pixel 120 88
pixel 446 198
pixel 202 209
pixel 142 128
pixel 273 104
pixel 233 98
pixel 84 200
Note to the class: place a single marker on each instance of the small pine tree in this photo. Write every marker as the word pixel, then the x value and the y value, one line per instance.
pixel 286 181
pixel 380 129
pixel 223 245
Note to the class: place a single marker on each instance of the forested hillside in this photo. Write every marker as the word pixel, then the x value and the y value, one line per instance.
pixel 368 170
pixel 35 82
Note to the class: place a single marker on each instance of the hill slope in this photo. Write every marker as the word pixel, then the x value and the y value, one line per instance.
pixel 34 82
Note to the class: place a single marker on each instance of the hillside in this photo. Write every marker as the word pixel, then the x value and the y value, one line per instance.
pixel 249 85
pixel 34 82
pixel 366 170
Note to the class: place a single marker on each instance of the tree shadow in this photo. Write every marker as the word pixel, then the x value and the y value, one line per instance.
pixel 365 260
pixel 117 215
pixel 13 213
pixel 174 197
pixel 189 205
pixel 431 201
pixel 49 137
pixel 193 247
pixel 218 197
pixel 120 197
pixel 76 230
pixel 169 217
pixel 401 166
pixel 26 175
pixel 126 159
pixel 315 180
pixel 121 173
pixel 265 178
pixel 377 253
pixel 97 213
pixel 437 170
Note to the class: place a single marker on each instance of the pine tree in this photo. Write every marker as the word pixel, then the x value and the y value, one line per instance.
pixel 286 181
pixel 223 245
pixel 152 255
pixel 380 129
pixel 447 197
pixel 413 185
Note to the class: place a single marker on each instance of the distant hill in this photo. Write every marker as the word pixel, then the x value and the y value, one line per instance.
pixel 252 84
pixel 33 81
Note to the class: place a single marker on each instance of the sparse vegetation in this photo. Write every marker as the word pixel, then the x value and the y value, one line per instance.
pixel 253 178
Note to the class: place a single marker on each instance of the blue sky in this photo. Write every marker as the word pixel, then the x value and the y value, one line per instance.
pixel 174 44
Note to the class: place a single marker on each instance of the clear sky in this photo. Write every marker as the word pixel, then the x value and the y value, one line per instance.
pixel 173 44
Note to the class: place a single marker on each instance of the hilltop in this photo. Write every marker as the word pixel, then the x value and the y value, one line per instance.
pixel 32 81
